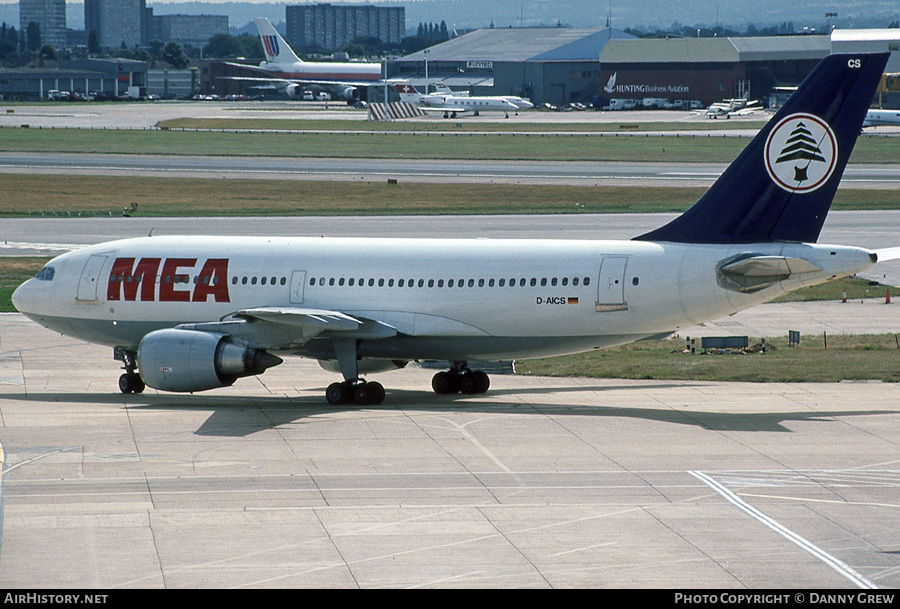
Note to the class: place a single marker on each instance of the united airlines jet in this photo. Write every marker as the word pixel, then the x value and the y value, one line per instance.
pixel 288 73
pixel 190 314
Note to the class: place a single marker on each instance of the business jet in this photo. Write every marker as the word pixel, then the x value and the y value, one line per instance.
pixel 733 107
pixel 520 103
pixel 452 104
pixel 187 313
pixel 291 75
pixel 881 117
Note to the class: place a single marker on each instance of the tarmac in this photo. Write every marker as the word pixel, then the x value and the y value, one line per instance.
pixel 540 483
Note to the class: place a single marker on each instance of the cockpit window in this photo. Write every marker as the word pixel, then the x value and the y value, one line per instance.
pixel 46 274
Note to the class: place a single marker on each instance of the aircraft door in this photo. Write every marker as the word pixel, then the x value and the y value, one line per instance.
pixel 298 283
pixel 611 286
pixel 90 280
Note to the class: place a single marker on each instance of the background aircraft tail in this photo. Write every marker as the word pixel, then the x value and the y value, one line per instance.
pixel 275 47
pixel 781 186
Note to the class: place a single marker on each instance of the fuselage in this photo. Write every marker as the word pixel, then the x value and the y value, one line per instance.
pixel 325 71
pixel 446 299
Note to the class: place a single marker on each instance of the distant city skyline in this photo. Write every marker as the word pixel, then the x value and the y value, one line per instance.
pixel 669 15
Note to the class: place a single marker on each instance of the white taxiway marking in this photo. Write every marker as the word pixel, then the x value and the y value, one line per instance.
pixel 839 566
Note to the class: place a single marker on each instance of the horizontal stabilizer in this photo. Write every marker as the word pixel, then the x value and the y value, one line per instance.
pixel 888 253
pixel 751 273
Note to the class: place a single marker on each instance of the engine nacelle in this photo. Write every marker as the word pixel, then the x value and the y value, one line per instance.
pixel 188 360
pixel 293 90
pixel 366 366
pixel 349 94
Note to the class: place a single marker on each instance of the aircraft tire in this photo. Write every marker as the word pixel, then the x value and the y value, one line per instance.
pixel 131 383
pixel 443 383
pixel 337 393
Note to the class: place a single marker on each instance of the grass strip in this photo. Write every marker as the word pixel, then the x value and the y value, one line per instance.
pixel 846 358
pixel 78 195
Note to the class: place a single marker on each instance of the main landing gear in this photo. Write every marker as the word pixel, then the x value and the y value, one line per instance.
pixel 357 392
pixel 459 379
pixel 131 381
pixel 354 389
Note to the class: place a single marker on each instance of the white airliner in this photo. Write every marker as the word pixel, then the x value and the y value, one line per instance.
pixel 190 314
pixel 284 70
pixel 451 104
pixel 881 117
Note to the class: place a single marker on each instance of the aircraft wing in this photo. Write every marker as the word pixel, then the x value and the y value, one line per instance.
pixel 444 108
pixel 280 328
pixel 266 77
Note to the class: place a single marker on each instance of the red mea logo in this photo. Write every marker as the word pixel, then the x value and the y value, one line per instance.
pixel 126 278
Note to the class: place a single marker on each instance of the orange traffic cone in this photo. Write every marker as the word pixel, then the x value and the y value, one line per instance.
pixel 844 295
pixel 887 296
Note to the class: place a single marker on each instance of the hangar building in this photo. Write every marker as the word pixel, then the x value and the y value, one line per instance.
pixel 706 70
pixel 110 77
pixel 560 65
pixel 547 65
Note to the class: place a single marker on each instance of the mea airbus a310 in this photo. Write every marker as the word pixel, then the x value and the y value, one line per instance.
pixel 190 314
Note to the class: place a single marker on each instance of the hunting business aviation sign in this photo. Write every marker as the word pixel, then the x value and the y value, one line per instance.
pixel 612 87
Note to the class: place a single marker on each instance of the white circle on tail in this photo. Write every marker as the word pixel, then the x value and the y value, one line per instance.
pixel 801 153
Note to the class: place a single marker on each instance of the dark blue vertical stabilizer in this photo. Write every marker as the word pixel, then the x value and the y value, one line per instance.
pixel 782 184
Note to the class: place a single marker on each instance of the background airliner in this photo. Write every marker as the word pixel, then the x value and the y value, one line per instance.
pixel 191 314
pixel 287 72
pixel 452 104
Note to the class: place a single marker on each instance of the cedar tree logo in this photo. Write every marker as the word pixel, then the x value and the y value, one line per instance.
pixel 801 153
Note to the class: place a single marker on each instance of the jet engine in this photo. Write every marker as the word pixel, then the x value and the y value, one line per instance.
pixel 188 360
pixel 349 94
pixel 293 91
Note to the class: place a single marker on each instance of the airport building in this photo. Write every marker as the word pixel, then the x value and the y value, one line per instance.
pixel 108 78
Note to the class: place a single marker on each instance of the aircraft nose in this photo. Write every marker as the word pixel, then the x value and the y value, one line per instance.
pixel 24 298
pixel 19 298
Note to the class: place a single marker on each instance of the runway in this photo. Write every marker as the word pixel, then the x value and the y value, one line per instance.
pixel 410 170
pixel 541 483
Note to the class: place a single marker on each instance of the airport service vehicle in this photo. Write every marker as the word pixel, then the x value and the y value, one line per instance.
pixel 190 314
pixel 285 71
